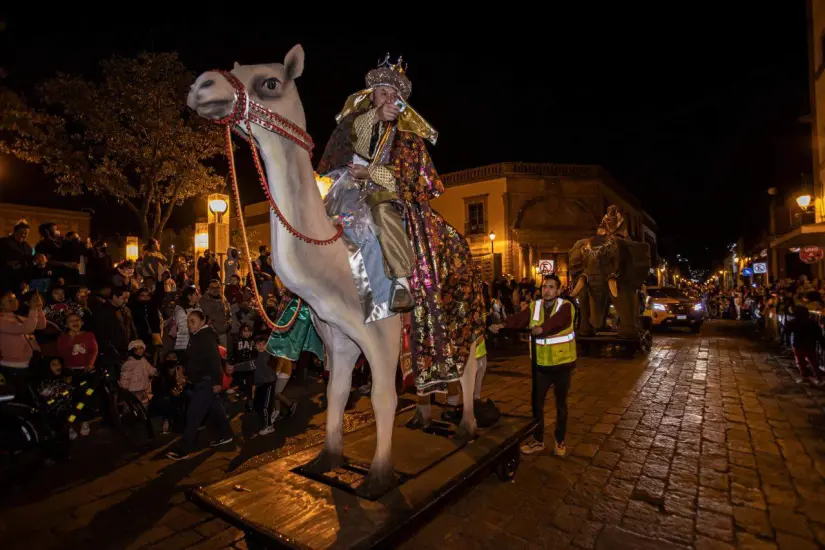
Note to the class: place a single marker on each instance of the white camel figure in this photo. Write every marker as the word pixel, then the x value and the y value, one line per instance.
pixel 319 274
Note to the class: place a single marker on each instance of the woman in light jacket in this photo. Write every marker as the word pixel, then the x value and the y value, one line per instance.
pixel 17 343
pixel 188 302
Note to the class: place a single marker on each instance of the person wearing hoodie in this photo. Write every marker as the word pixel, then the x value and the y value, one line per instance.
pixel 204 372
pixel 214 305
pixel 242 363
pixel 231 263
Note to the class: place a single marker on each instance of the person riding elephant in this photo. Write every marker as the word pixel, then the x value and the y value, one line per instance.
pixel 609 266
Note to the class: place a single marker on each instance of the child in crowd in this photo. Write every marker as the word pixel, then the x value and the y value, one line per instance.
pixel 241 360
pixel 58 309
pixel 54 394
pixel 77 347
pixel 265 379
pixel 136 373
pixel 174 383
pixel 234 292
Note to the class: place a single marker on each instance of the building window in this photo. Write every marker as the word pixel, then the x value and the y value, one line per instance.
pixel 475 215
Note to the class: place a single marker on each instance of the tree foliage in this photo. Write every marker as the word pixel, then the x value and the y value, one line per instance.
pixel 126 136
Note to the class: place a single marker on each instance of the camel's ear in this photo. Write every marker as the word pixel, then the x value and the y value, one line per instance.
pixel 237 66
pixel 294 62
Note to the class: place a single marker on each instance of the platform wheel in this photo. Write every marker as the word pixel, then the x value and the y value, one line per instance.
pixel 506 469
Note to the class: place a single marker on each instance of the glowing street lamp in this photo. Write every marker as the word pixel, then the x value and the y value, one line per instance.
pixel 804 201
pixel 492 238
pixel 132 248
pixel 218 206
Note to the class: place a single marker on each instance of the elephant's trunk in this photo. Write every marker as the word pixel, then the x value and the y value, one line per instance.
pixel 614 287
pixel 579 286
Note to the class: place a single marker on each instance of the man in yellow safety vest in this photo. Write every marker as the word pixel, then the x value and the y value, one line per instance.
pixel 552 321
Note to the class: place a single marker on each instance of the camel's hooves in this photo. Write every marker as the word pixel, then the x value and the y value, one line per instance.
pixel 465 433
pixel 375 486
pixel 323 463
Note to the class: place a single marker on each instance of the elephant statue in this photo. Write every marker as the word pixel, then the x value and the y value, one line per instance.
pixel 609 266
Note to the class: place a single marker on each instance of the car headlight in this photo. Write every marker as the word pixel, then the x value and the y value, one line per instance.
pixel 697 307
pixel 659 307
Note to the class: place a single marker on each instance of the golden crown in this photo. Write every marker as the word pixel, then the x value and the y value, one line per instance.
pixel 392 75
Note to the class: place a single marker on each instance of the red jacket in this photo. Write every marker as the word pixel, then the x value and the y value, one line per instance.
pixel 78 352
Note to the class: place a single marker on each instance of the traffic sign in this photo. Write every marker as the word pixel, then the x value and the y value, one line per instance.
pixel 760 267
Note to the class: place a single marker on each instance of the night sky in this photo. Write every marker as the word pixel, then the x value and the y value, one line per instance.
pixel 695 111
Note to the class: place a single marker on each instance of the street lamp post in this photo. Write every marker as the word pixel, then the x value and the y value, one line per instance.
pixel 218 206
pixel 493 253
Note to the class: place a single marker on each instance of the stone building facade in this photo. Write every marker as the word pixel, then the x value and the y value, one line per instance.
pixel 536 212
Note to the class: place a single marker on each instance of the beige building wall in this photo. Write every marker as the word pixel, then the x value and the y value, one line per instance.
pixel 67 220
pixel 453 205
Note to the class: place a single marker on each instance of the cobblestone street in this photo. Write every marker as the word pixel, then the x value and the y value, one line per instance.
pixel 707 442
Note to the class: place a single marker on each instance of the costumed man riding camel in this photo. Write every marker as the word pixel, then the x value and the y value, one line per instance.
pixel 404 255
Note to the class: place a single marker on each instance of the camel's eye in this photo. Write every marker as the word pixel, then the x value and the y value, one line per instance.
pixel 271 83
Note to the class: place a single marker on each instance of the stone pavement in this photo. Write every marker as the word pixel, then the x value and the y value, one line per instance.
pixel 706 442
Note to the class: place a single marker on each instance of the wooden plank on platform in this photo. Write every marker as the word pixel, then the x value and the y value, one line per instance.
pixel 295 511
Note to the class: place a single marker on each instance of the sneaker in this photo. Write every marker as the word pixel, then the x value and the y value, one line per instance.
pixel 268 430
pixel 219 442
pixel 532 446
pixel 293 408
pixel 84 429
pixel 275 415
pixel 175 455
pixel 165 428
pixel 560 449
pixel 72 434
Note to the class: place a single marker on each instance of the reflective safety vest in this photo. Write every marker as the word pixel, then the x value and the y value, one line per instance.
pixel 481 347
pixel 560 348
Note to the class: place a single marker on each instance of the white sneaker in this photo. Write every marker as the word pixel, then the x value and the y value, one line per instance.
pixel 268 430
pixel 84 429
pixel 560 449
pixel 72 434
pixel 532 446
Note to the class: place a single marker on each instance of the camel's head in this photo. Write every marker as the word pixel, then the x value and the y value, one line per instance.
pixel 272 86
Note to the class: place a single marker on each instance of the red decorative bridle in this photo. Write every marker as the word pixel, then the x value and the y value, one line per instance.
pixel 245 113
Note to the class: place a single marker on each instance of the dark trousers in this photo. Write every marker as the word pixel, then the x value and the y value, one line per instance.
pixel 204 401
pixel 245 381
pixel 559 379
pixel 265 402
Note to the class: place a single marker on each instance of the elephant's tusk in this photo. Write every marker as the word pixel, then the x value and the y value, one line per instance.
pixel 614 287
pixel 579 286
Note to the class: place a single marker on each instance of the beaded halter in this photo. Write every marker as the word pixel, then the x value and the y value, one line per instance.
pixel 246 112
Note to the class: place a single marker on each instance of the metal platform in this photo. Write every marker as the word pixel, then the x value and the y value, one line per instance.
pixel 288 508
